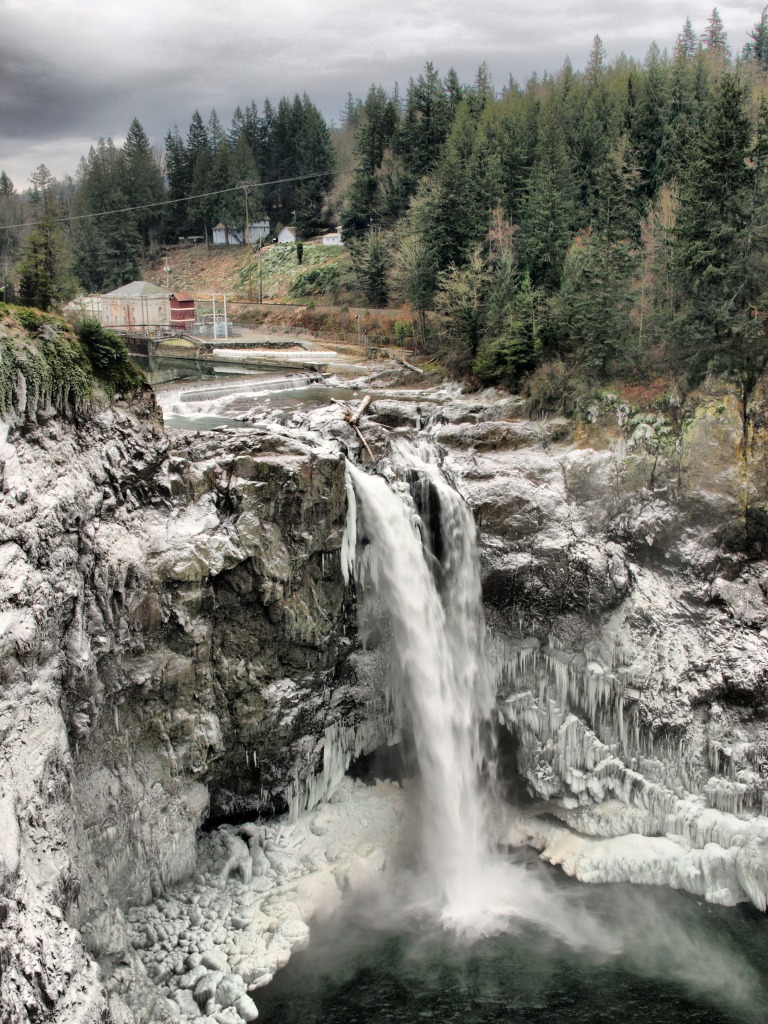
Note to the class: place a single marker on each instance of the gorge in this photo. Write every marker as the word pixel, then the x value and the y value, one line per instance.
pixel 201 633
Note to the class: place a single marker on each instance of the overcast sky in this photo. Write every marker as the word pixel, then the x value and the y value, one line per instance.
pixel 72 71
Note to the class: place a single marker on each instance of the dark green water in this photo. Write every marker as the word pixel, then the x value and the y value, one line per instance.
pixel 664 958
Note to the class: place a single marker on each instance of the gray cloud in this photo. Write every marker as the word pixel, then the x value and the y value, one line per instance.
pixel 72 71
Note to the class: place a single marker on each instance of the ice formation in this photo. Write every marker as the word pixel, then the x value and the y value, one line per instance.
pixel 637 822
pixel 211 942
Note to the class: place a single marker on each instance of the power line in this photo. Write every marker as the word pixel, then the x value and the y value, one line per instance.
pixel 183 199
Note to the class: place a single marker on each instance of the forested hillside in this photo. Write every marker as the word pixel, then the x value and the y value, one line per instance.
pixel 610 222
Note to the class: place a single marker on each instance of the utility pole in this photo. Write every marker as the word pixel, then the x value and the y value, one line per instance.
pixel 248 239
pixel 261 289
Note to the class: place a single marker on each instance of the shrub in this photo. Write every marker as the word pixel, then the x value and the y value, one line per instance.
pixel 555 388
pixel 109 357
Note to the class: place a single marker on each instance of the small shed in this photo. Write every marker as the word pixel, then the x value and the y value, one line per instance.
pixel 182 310
pixel 288 234
pixel 333 237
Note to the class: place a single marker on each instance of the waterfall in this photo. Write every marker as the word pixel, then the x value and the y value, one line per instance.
pixel 430 588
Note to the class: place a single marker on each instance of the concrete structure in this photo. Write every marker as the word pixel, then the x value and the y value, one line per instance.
pixel 139 304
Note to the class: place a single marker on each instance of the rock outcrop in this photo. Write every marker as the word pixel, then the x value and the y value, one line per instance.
pixel 171 622
pixel 177 646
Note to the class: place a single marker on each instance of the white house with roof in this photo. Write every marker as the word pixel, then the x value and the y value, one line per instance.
pixel 333 237
pixel 224 235
pixel 288 234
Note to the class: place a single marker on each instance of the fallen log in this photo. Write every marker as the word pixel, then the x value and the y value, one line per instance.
pixel 367 446
pixel 355 417
pixel 416 369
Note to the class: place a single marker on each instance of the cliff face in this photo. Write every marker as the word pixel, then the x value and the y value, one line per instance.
pixel 626 588
pixel 172 618
pixel 174 634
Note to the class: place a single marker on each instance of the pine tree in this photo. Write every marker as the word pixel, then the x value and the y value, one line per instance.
pixel 593 305
pixel 757 48
pixel 517 348
pixel 106 249
pixel 460 301
pixel 549 213
pixel 45 276
pixel 179 173
pixel 686 44
pixel 715 43
pixel 649 122
pixel 11 215
pixel 143 182
pixel 715 36
pixel 425 123
pixel 414 275
pixel 370 261
pixel 596 64
pixel 719 257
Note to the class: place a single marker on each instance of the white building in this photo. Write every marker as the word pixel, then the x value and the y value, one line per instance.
pixel 333 237
pixel 288 234
pixel 223 235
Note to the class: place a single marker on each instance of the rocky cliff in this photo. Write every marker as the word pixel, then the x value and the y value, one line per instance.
pixel 175 637
pixel 172 621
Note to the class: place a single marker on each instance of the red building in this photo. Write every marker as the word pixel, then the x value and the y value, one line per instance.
pixel 182 311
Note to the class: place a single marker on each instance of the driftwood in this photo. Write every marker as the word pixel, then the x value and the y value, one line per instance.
pixel 355 417
pixel 416 369
pixel 367 446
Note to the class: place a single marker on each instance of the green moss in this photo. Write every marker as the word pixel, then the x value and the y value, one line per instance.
pixel 52 361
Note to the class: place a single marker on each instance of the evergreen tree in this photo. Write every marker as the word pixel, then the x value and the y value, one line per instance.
pixel 414 275
pixel 757 48
pixel 649 123
pixel 45 277
pixel 593 305
pixel 376 125
pixel 426 122
pixel 550 209
pixel 179 174
pixel 143 182
pixel 715 44
pixel 370 260
pixel 11 216
pixel 596 64
pixel 719 257
pixel 686 43
pixel 106 249
pixel 517 348
pixel 715 36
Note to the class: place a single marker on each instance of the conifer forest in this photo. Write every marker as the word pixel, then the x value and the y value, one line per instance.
pixel 593 224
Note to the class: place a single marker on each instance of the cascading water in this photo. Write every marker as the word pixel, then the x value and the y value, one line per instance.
pixel 438 634
pixel 429 585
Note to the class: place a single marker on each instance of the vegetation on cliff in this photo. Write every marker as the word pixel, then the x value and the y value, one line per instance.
pixel 46 362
